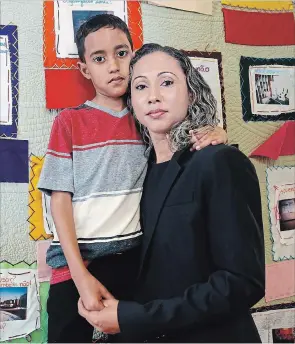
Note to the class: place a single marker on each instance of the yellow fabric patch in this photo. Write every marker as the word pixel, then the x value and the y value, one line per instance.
pixel 261 5
pixel 36 225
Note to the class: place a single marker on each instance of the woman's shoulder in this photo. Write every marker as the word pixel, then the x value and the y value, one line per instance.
pixel 221 155
pixel 218 150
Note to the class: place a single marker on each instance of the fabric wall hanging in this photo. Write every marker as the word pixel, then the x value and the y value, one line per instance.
pixel 281 143
pixel 9 80
pixel 267 88
pixel 209 64
pixel 35 219
pixel 199 6
pixel 283 272
pixel 14 161
pixel 281 205
pixel 276 325
pixel 20 303
pixel 62 18
pixel 259 28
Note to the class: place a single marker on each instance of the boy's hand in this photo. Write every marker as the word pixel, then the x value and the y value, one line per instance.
pixel 92 292
pixel 105 321
pixel 206 136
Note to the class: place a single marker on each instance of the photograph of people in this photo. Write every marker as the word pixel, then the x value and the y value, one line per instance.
pixel 202 256
pixel 270 90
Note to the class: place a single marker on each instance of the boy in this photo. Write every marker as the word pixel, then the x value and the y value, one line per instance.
pixel 94 171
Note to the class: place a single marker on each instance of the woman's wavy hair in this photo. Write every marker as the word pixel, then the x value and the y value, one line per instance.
pixel 202 109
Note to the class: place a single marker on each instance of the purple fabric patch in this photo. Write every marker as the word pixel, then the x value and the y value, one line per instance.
pixel 14 161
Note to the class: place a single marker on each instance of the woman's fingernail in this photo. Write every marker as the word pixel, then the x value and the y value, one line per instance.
pixel 198 148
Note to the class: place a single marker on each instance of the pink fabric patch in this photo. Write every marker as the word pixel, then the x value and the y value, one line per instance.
pixel 280 280
pixel 44 270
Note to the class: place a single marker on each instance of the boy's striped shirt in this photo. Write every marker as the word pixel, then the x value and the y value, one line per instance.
pixel 97 155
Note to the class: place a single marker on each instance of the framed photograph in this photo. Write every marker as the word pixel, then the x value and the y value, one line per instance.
pixel 19 303
pixel 62 18
pixel 287 213
pixel 275 324
pixel 267 89
pixel 210 67
pixel 9 80
pixel 68 16
pixel 272 89
pixel 13 304
pixel 283 335
pixel 80 17
pixel 281 204
pixel 284 211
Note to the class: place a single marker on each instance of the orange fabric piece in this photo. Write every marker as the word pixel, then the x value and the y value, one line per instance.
pixel 135 23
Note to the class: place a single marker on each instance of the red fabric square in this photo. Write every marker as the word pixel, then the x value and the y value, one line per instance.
pixel 259 28
pixel 67 88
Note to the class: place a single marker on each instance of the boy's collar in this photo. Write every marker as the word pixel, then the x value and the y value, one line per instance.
pixel 114 113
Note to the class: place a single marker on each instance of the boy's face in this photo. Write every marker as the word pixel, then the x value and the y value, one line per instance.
pixel 107 58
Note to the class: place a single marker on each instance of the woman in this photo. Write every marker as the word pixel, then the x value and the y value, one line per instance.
pixel 202 261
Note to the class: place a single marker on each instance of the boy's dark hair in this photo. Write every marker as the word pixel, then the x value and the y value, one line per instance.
pixel 96 23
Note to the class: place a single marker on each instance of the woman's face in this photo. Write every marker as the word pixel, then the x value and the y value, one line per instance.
pixel 159 92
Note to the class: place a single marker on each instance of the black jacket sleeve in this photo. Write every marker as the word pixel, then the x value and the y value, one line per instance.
pixel 235 231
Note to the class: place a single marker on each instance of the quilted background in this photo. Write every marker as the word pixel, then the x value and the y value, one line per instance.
pixel 165 26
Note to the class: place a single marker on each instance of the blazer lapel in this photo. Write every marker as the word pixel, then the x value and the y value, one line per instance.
pixel 167 181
